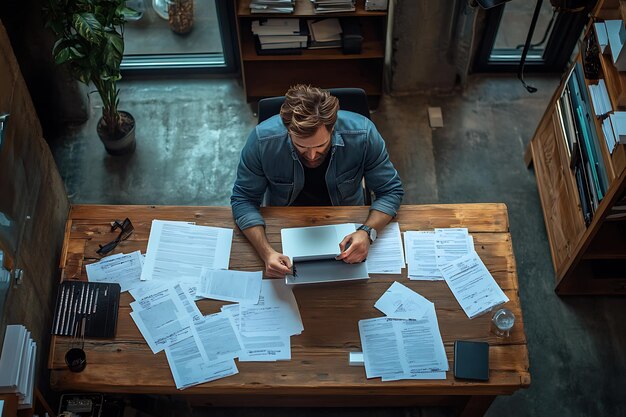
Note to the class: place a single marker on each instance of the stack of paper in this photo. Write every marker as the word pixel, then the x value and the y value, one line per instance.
pixel 179 250
pixel 600 98
pixel 199 349
pixel 609 134
pixel 601 36
pixel 617 35
pixel 325 33
pixel 427 250
pixel 275 34
pixel 406 344
pixel 333 6
pixel 618 123
pixel 271 6
pixel 449 254
pixel 386 255
pixel 17 364
pixel 266 326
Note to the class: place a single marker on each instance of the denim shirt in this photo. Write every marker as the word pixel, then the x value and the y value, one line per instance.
pixel 270 162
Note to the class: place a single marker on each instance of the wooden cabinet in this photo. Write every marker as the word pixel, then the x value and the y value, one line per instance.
pixel 271 75
pixel 588 257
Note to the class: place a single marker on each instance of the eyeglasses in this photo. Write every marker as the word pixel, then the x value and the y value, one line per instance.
pixel 126 229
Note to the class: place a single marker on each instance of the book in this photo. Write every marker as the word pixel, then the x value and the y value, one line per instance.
pixel 471 360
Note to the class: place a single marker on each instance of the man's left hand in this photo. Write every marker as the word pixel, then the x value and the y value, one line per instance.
pixel 357 244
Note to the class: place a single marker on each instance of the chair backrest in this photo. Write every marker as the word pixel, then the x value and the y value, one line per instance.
pixel 351 99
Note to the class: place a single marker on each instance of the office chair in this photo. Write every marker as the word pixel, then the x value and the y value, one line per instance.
pixel 351 99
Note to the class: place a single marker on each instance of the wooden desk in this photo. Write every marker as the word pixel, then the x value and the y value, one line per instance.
pixel 318 374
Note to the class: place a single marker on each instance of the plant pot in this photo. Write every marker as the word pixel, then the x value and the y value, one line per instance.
pixel 122 144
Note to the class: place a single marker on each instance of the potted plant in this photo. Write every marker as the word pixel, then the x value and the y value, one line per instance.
pixel 90 40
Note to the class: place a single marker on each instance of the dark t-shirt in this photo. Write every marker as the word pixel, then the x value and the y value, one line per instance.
pixel 315 191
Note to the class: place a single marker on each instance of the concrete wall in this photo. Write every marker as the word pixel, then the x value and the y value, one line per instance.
pixel 30 186
pixel 432 44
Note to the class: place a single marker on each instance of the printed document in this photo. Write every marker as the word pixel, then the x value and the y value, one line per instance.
pixel 218 337
pixel 189 367
pixel 164 316
pixel 396 349
pixel 227 285
pixel 472 285
pixel 178 249
pixel 124 269
pixel 276 311
pixel 401 302
pixel 421 255
pixel 385 254
pixel 451 244
pixel 261 347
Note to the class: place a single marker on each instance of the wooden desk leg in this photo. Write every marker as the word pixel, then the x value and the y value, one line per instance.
pixel 477 405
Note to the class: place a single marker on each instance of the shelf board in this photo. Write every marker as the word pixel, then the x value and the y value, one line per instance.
pixel 304 8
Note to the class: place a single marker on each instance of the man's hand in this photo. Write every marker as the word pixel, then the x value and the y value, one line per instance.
pixel 357 244
pixel 277 265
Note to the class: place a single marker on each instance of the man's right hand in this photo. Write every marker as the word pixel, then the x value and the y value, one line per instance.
pixel 277 265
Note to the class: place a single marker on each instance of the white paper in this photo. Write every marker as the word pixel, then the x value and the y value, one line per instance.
pixel 472 285
pixel 161 325
pixel 401 302
pixel 164 316
pixel 386 255
pixel 451 244
pixel 189 368
pixel 218 337
pixel 177 293
pixel 181 249
pixel 403 349
pixel 421 256
pixel 277 310
pixel 261 347
pixel 227 285
pixel 124 269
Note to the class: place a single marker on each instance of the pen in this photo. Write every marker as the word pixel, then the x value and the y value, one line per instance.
pixel 293 270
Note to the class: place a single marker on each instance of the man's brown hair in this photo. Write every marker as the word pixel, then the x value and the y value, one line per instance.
pixel 307 108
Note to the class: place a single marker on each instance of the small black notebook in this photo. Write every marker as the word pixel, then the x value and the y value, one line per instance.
pixel 471 360
pixel 96 302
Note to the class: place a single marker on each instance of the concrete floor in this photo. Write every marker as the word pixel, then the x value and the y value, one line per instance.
pixel 189 136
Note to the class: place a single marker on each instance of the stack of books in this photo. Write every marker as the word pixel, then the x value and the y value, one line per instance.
pixel 271 6
pixel 280 36
pixel 17 364
pixel 325 33
pixel 333 6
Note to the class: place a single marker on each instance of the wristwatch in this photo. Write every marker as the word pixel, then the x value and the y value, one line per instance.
pixel 371 232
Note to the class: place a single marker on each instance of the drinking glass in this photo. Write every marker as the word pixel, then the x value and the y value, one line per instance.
pixel 502 322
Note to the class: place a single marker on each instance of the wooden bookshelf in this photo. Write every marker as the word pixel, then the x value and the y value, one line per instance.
pixel 587 259
pixel 271 75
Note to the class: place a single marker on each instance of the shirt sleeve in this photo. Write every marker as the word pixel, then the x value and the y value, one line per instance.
pixel 380 175
pixel 250 186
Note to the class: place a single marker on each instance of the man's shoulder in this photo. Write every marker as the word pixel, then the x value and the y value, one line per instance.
pixel 348 121
pixel 271 128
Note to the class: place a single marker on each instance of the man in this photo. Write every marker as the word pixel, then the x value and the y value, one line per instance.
pixel 314 154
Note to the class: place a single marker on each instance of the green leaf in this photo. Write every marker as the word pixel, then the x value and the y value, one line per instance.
pixel 88 27
pixel 62 56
